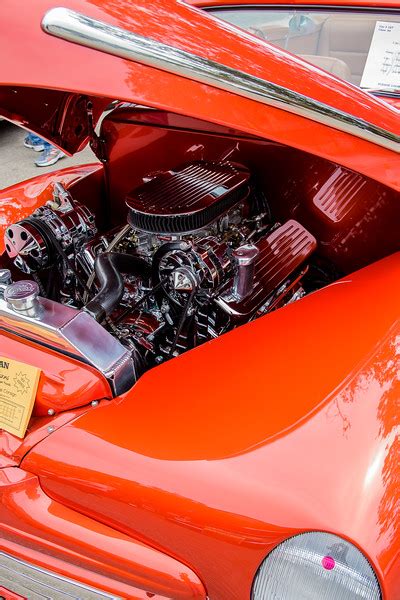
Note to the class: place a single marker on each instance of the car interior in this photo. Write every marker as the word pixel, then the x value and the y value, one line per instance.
pixel 334 41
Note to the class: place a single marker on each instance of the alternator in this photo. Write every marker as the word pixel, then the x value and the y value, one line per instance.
pixel 59 227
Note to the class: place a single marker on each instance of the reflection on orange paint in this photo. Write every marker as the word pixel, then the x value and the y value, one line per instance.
pixel 180 488
pixel 82 549
pixel 272 429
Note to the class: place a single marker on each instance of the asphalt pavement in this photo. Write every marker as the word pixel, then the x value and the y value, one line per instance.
pixel 17 162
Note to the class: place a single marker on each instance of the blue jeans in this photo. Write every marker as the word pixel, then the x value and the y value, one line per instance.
pixel 35 139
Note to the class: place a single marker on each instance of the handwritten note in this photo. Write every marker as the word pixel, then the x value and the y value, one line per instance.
pixel 18 386
pixel 382 69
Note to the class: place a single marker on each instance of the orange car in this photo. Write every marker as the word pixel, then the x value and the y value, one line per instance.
pixel 200 339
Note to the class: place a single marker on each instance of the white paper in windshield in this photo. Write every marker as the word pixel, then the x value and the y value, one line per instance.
pixel 382 69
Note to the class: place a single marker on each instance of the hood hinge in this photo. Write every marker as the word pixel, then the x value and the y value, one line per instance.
pixel 97 143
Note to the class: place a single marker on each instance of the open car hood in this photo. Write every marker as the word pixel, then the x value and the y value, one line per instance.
pixel 176 57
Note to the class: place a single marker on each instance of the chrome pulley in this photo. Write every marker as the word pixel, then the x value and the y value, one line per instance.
pixel 183 268
pixel 28 246
pixel 179 275
pixel 58 228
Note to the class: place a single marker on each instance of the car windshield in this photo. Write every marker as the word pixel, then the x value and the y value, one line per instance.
pixel 360 47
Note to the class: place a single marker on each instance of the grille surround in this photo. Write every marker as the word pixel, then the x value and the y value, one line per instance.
pixel 36 583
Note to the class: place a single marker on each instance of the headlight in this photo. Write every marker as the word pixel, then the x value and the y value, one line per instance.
pixel 316 566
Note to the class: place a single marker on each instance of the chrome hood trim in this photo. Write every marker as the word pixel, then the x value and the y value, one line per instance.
pixel 86 31
pixel 75 334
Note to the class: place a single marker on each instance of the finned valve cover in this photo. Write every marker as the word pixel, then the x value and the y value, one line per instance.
pixel 187 198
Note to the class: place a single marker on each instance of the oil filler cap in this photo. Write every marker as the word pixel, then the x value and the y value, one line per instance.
pixel 22 296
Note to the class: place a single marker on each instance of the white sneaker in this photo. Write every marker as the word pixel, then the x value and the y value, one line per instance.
pixel 49 157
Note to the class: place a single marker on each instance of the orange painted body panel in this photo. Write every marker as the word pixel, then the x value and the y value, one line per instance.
pixel 179 488
pixel 64 383
pixel 13 449
pixel 394 102
pixel 283 425
pixel 36 528
pixel 191 29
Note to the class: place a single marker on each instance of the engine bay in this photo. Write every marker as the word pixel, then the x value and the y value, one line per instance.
pixel 199 255
pixel 198 238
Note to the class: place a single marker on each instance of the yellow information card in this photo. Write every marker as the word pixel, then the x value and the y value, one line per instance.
pixel 18 386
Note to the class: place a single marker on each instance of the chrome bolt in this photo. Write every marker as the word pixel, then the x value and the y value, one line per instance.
pixel 51 412
pixel 94 403
pixel 50 429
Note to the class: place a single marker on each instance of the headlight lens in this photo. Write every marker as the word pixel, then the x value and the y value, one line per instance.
pixel 316 566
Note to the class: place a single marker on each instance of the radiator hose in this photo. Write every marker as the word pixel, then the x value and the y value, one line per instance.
pixel 109 268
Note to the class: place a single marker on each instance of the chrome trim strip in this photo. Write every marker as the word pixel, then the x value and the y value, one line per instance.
pixel 76 334
pixel 32 581
pixel 310 7
pixel 80 29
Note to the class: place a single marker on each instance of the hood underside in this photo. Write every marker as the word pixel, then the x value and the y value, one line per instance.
pixel 166 58
pixel 64 118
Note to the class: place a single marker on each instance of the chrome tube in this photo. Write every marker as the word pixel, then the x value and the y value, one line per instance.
pixel 92 33
pixel 245 257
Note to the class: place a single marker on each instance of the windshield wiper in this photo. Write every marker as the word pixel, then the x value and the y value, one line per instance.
pixel 379 92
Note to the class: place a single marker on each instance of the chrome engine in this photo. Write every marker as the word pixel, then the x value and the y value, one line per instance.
pixel 199 255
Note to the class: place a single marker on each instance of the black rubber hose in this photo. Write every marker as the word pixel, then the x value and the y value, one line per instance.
pixel 109 268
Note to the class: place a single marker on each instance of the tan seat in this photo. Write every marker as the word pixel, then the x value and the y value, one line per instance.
pixel 335 66
pixel 270 33
pixel 348 40
pixel 294 42
pixel 304 45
